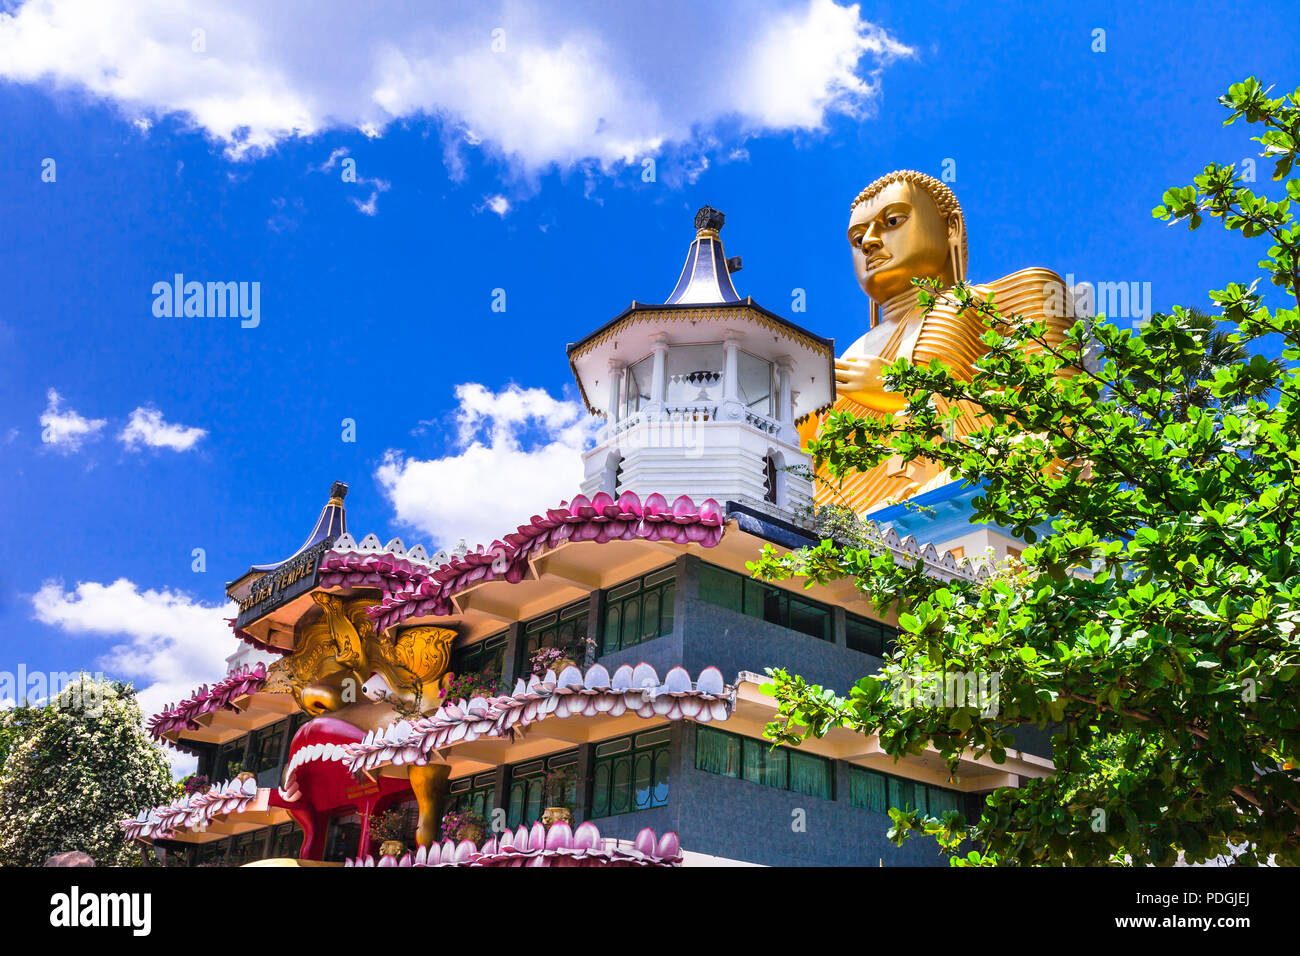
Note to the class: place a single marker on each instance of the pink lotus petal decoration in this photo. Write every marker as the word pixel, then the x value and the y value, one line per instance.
pixel 638 690
pixel 561 846
pixel 205 700
pixel 191 812
pixel 416 588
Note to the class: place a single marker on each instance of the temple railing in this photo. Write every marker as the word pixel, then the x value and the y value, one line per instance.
pixel 682 413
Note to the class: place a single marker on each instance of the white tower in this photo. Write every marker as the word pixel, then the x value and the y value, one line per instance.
pixel 701 394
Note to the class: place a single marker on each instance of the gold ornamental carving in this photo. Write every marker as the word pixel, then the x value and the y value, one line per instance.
pixel 338 659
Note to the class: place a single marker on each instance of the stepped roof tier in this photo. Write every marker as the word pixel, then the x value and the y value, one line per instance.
pixel 476 590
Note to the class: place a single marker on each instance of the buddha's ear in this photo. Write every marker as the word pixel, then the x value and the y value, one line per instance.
pixel 956 242
pixel 956 228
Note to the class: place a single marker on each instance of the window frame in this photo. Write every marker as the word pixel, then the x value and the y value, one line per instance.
pixel 884 641
pixel 757 599
pixel 907 791
pixel 771 765
pixel 468 658
pixel 655 744
pixel 277 731
pixel 577 612
pixel 531 775
pixel 616 604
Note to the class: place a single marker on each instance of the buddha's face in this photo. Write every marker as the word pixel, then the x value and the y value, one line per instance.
pixel 896 236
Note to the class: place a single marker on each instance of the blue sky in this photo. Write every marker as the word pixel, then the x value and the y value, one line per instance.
pixel 517 168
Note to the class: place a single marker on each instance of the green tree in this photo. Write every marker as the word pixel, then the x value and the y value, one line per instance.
pixel 1154 629
pixel 75 767
pixel 13 724
pixel 1189 376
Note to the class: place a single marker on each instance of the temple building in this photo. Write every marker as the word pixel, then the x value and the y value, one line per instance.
pixel 588 688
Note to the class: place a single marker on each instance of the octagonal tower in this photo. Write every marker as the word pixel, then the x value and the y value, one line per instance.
pixel 701 393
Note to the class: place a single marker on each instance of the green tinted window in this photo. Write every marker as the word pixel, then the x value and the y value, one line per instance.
pixel 717 752
pixel 474 793
pixel 757 599
pixel 631 773
pixel 565 629
pixel 639 610
pixel 747 758
pixel 721 587
pixel 877 791
pixel 811 775
pixel 487 656
pixel 526 793
pixel 268 744
pixel 869 637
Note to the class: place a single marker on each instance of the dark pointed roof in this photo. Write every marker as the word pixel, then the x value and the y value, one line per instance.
pixel 333 521
pixel 705 278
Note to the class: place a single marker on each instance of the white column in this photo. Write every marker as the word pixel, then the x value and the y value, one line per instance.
pixel 731 371
pixel 659 375
pixel 785 401
pixel 615 381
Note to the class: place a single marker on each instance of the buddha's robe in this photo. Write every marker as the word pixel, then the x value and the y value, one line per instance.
pixel 954 339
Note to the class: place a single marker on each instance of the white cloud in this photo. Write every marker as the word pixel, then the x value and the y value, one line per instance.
pixel 805 63
pixel 517 453
pixel 367 207
pixel 370 206
pixel 169 642
pixel 498 204
pixel 538 87
pixel 67 431
pixel 146 427
pixel 331 161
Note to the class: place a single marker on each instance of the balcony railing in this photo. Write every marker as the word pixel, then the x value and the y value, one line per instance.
pixel 692 413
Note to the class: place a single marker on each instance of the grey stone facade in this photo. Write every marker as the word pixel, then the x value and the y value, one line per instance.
pixel 734 818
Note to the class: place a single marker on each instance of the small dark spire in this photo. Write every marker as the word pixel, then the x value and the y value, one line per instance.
pixel 333 521
pixel 706 276
pixel 709 218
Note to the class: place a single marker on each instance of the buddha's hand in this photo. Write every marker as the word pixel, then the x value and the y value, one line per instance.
pixel 862 379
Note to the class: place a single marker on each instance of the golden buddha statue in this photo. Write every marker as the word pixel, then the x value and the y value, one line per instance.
pixel 908 225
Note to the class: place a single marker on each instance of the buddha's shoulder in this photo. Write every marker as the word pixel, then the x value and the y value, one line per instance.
pixel 1025 291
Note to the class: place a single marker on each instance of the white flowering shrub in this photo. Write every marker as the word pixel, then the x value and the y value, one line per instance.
pixel 72 769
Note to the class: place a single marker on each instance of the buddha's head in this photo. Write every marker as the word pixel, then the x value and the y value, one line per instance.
pixel 906 225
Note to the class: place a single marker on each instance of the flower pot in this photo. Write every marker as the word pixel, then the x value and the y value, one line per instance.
pixel 472 832
pixel 562 663
pixel 392 848
pixel 554 815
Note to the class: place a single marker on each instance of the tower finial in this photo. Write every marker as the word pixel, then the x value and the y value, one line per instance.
pixel 709 218
pixel 706 277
